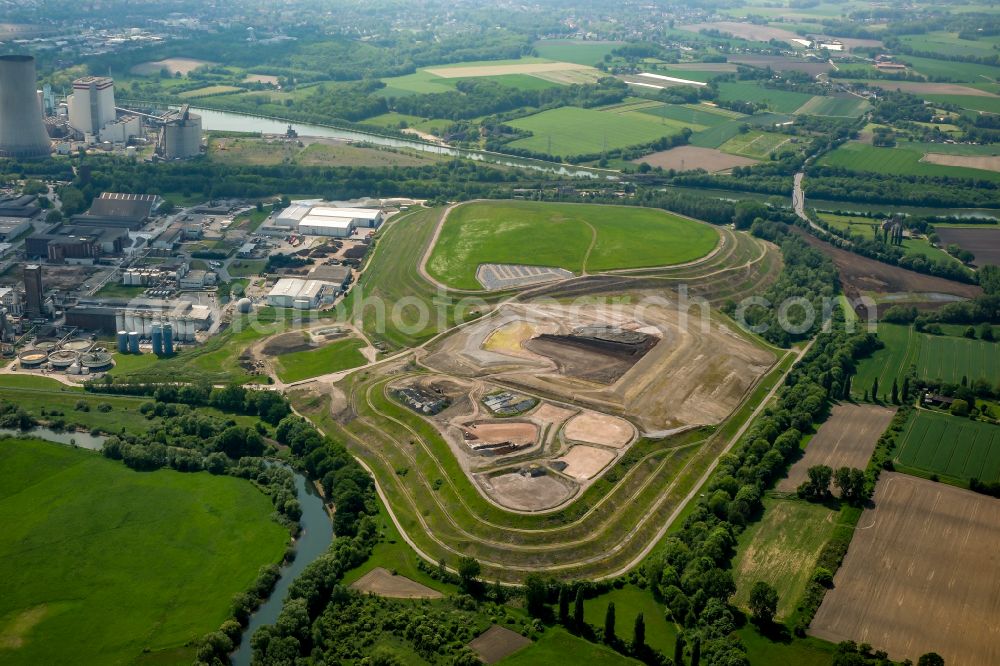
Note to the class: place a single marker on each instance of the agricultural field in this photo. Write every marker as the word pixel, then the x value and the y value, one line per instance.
pixel 758 145
pixel 571 130
pixel 923 557
pixel 864 227
pixel 982 103
pixel 951 446
pixel 950 70
pixel 949 44
pixel 577 237
pixel 526 74
pixel 317 152
pixel 715 136
pixel 692 115
pixel 982 242
pixel 780 101
pixel 182 66
pixel 842 107
pixel 685 158
pixel 332 357
pixel 576 51
pixel 781 549
pixel 899 160
pixel 93 552
pixel 846 439
pixel 943 357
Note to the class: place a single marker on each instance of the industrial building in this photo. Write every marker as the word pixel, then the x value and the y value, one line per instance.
pixel 92 116
pixel 336 275
pixel 34 292
pixel 25 205
pixel 12 227
pixel 180 136
pixel 298 294
pixel 22 127
pixel 314 220
pixel 11 301
pixel 69 244
pixel 117 209
pixel 139 315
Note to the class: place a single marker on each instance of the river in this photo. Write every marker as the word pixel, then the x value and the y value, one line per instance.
pixel 230 121
pixel 314 539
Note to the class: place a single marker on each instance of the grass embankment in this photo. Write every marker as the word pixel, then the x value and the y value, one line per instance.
pixel 576 237
pixel 101 563
pixel 333 357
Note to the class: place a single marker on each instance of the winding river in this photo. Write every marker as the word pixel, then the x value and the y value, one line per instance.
pixel 314 539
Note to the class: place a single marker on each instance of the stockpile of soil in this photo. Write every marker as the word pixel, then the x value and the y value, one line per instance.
pixel 595 353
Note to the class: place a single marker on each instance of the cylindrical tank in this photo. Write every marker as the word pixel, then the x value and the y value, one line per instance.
pixel 122 342
pixel 22 129
pixel 147 325
pixel 157 336
pixel 120 320
pixel 168 340
pixel 133 342
pixel 181 137
pixel 244 305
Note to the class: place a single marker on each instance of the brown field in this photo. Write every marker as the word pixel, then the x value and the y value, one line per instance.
pixel 570 76
pixel 549 413
pixel 315 152
pixel 499 70
pixel 755 33
pixel 933 88
pixel 495 432
pixel 380 581
pixel 985 162
pixel 183 65
pixel 261 78
pixel 584 462
pixel 984 243
pixel 596 428
pixel 523 492
pixel 783 64
pixel 847 439
pixel 496 643
pixel 690 377
pixel 705 66
pixel 859 274
pixel 684 158
pixel 921 575
pixel 287 343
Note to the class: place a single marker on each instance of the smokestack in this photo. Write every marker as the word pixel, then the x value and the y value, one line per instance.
pixel 22 130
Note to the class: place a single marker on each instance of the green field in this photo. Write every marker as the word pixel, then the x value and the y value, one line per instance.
pixel 900 160
pixel 950 70
pixel 948 43
pixel 715 136
pixel 941 357
pixel 689 115
pixel 333 357
pixel 577 237
pixel 951 446
pixel 758 145
pixel 570 130
pixel 558 646
pixel 841 107
pixel 971 102
pixel 630 601
pixel 101 563
pixel 781 550
pixel 782 101
pixel 576 51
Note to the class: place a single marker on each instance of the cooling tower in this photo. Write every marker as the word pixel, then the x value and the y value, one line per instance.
pixel 22 130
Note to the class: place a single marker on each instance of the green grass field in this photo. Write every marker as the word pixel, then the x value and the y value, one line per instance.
pixel 900 160
pixel 576 51
pixel 781 550
pixel 970 102
pixel 715 136
pixel 942 357
pixel 949 70
pixel 570 130
pixel 689 115
pixel 951 446
pixel 782 101
pixel 948 43
pixel 630 601
pixel 841 107
pixel 560 235
pixel 333 357
pixel 758 145
pixel 558 646
pixel 101 563
pixel 115 289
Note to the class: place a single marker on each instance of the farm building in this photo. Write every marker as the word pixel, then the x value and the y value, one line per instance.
pixel 298 294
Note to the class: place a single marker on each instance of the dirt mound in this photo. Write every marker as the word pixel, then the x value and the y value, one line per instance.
pixel 288 343
pixel 596 428
pixel 597 354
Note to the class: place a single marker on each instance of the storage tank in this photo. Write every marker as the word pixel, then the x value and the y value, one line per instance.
pixel 244 305
pixel 22 128
pixel 157 336
pixel 133 342
pixel 122 339
pixel 181 137
pixel 168 340
pixel 120 320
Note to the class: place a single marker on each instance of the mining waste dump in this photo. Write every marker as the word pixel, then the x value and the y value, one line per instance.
pixel 596 353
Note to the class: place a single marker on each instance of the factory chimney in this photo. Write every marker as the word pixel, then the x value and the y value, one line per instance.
pixel 22 130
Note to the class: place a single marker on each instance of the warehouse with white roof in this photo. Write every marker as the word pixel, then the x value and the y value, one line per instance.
pixel 312 219
pixel 299 294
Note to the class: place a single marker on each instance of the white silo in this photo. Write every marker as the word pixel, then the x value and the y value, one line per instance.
pixel 22 129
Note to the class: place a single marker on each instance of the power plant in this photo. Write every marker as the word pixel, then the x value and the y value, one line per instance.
pixel 22 128
pixel 92 104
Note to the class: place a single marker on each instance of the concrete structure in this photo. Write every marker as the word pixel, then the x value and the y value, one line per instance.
pixel 10 300
pixel 19 206
pixel 139 315
pixel 169 239
pixel 12 227
pixel 196 279
pixel 33 291
pixel 298 294
pixel 122 130
pixel 22 127
pixel 180 137
pixel 92 105
pixel 338 276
